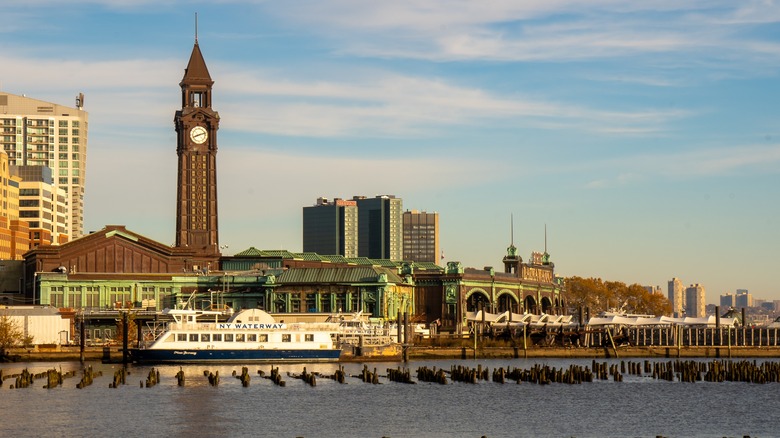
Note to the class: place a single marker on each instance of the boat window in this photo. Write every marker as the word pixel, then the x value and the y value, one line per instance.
pixel 216 337
pixel 309 338
pixel 286 338
pixel 263 337
pixel 193 337
pixel 205 337
pixel 181 337
pixel 240 337
pixel 228 337
pixel 251 338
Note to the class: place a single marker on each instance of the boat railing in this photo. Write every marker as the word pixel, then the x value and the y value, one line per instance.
pixel 192 326
pixel 313 326
pixel 358 339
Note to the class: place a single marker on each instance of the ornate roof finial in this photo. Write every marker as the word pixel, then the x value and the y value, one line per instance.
pixel 511 251
pixel 512 229
pixel 196 28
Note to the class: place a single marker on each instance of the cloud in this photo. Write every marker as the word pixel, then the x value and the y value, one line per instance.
pixel 692 164
pixel 385 104
pixel 556 31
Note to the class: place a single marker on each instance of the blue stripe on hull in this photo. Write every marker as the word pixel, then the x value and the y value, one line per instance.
pixel 199 356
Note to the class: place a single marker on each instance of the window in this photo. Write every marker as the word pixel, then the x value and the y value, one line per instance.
pixel 193 337
pixel 286 338
pixel 74 297
pixel 57 300
pixel 251 338
pixel 93 299
pixel 216 337
pixel 309 337
pixel 228 337
pixel 181 337
pixel 205 337
pixel 240 337
pixel 196 99
pixel 263 338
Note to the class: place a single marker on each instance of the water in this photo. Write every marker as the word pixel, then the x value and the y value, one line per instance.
pixel 638 406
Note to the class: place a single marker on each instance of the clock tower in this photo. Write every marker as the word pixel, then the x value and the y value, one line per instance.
pixel 196 136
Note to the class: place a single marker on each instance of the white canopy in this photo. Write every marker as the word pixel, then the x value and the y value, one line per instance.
pixel 641 321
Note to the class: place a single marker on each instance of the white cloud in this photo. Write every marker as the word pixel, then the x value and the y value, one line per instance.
pixel 689 164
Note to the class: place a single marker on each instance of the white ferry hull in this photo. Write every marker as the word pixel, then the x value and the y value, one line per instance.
pixel 237 356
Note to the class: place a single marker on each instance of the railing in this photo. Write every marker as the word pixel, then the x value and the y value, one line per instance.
pixel 686 336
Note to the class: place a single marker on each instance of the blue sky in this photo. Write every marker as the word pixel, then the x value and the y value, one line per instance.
pixel 643 135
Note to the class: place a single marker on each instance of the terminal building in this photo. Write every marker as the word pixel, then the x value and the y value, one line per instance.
pixel 115 268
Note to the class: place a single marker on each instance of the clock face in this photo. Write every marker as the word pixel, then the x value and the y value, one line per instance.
pixel 199 135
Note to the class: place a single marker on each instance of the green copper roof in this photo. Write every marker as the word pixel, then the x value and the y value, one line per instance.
pixel 338 259
pixel 334 258
pixel 310 256
pixel 251 252
pixel 354 275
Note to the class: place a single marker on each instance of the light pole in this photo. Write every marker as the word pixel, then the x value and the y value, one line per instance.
pixel 35 281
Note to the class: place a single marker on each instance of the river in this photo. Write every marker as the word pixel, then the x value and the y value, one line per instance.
pixel 637 406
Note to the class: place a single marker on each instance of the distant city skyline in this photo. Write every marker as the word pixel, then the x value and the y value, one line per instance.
pixel 644 137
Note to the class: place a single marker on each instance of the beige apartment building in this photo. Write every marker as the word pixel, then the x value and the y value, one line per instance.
pixel 38 133
pixel 676 296
pixel 695 301
pixel 14 233
pixel 43 206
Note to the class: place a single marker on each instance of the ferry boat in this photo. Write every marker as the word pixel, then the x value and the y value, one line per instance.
pixel 251 335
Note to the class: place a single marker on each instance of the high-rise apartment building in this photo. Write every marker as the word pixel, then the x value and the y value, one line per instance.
pixel 43 205
pixel 331 227
pixel 727 300
pixel 38 133
pixel 14 233
pixel 676 292
pixel 695 297
pixel 380 227
pixel 421 236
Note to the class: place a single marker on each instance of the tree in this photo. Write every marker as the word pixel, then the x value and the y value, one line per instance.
pixel 132 328
pixel 600 296
pixel 11 334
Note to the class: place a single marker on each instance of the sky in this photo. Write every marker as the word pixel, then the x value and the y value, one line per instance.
pixel 643 136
